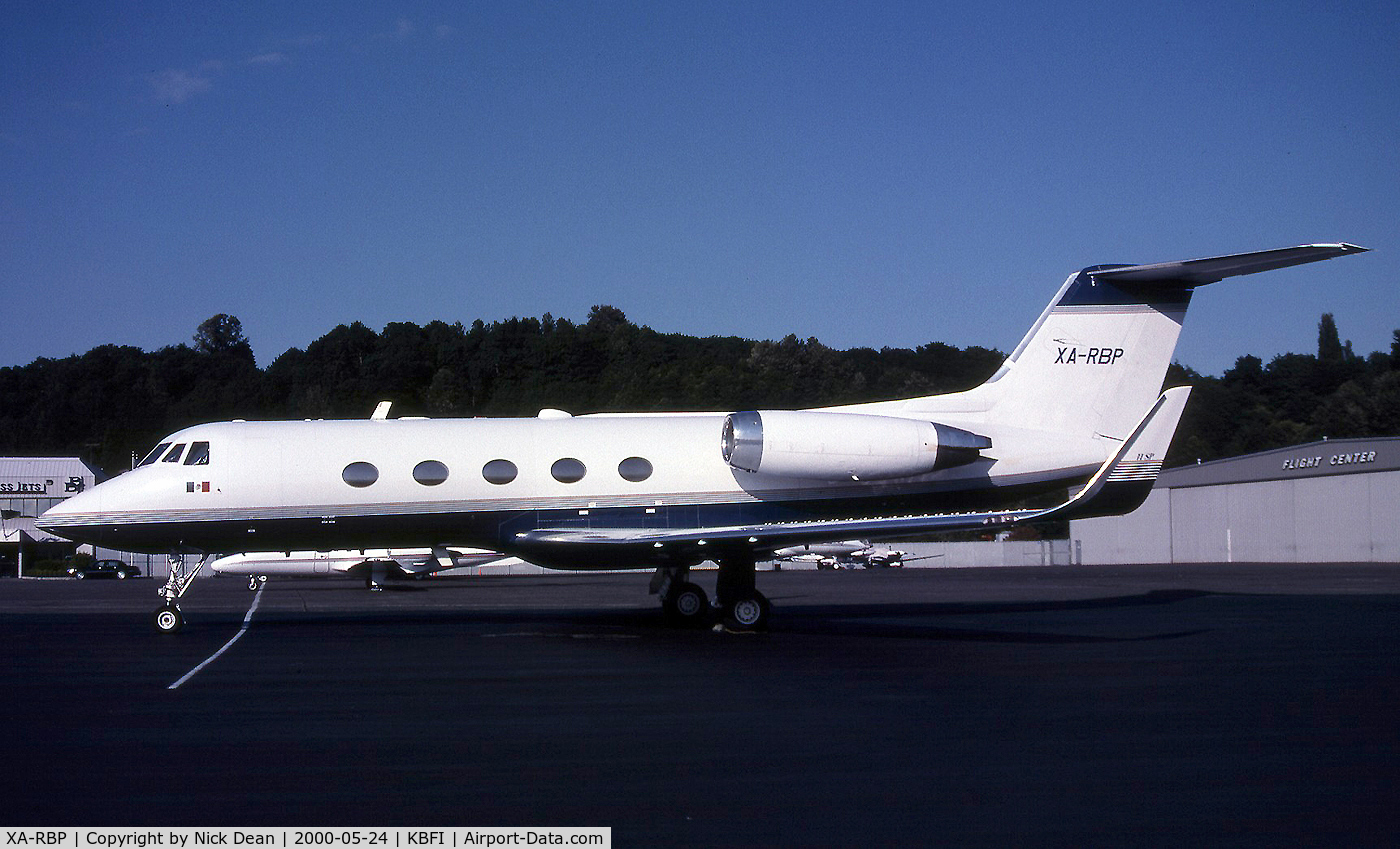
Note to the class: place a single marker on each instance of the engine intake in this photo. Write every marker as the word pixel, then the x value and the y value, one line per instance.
pixel 843 446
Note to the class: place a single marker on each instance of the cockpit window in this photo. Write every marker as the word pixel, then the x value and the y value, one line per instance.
pixel 173 455
pixel 154 455
pixel 199 454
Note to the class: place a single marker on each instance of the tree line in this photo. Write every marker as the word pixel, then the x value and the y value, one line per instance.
pixel 1294 398
pixel 115 401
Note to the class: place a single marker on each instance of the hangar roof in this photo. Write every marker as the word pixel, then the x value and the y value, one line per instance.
pixel 1315 459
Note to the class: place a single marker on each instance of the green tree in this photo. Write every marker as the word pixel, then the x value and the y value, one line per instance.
pixel 1329 343
pixel 222 334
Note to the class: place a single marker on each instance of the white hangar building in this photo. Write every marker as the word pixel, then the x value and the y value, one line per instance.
pixel 28 487
pixel 1334 501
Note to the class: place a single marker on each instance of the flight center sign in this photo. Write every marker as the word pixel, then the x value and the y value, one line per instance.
pixel 1327 458
pixel 1322 461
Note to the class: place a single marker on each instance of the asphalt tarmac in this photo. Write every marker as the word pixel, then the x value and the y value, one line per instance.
pixel 1070 706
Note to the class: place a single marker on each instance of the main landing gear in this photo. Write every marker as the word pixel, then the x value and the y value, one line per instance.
pixel 168 619
pixel 685 604
pixel 741 607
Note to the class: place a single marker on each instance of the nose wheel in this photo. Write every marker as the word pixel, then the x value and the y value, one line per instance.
pixel 168 619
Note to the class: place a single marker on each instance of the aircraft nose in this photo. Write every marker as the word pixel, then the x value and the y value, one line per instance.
pixel 78 517
pixel 68 515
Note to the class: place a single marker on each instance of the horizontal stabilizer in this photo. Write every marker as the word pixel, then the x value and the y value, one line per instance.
pixel 1199 272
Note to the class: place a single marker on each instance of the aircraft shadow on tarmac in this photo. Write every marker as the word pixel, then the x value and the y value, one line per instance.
pixel 897 620
pixel 918 620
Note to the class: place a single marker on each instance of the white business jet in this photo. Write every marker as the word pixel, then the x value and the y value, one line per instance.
pixel 1076 404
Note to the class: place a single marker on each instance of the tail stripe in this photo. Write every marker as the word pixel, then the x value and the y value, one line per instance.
pixel 1116 309
pixel 1136 470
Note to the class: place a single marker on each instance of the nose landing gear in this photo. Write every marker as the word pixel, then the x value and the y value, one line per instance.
pixel 168 619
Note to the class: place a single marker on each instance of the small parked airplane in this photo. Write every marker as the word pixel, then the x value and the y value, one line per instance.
pixel 1076 404
pixel 375 566
pixel 847 554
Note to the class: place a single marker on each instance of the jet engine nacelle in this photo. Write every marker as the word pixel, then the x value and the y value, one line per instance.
pixel 843 446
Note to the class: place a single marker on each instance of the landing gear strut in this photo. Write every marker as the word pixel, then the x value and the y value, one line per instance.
pixel 168 619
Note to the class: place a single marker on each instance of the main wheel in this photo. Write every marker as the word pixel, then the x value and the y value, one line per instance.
pixel 168 619
pixel 687 605
pixel 749 612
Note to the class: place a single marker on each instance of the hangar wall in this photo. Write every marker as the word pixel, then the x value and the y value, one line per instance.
pixel 28 487
pixel 1335 501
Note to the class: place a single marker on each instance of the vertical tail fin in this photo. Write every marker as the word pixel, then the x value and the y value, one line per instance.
pixel 1093 363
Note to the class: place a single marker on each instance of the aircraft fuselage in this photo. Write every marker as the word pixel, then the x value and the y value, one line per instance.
pixel 269 486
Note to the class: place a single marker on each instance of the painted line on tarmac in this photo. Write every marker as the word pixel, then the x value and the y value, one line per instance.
pixel 247 619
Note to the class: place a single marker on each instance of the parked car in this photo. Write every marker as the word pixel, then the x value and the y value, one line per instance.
pixel 105 569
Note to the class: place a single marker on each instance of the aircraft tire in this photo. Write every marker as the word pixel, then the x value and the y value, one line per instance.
pixel 168 619
pixel 687 606
pixel 749 612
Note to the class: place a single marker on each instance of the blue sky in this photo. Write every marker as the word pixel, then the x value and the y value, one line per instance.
pixel 865 173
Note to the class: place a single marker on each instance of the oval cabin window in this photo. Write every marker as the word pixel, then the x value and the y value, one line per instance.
pixel 360 474
pixel 499 472
pixel 430 473
pixel 634 469
pixel 568 470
